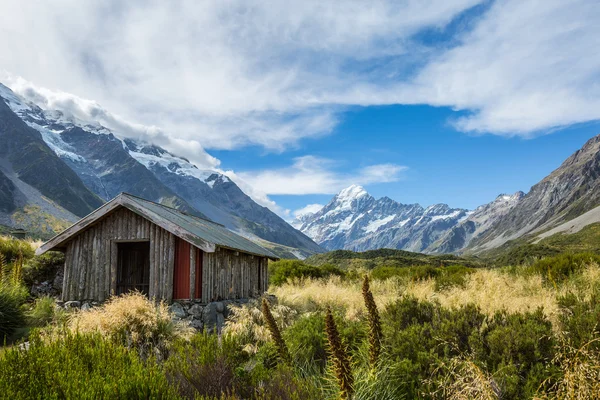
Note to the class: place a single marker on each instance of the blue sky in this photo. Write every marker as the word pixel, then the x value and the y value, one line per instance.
pixel 424 101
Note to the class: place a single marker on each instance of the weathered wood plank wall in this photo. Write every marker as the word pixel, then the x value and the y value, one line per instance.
pixel 228 274
pixel 91 257
pixel 91 263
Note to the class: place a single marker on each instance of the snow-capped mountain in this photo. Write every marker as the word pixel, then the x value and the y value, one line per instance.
pixel 355 220
pixel 106 163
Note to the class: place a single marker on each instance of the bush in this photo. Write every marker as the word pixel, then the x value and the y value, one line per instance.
pixel 284 270
pixel 11 315
pixel 422 336
pixel 558 268
pixel 43 268
pixel 133 321
pixel 206 366
pixel 42 313
pixel 13 248
pixel 580 317
pixel 79 367
pixel 451 276
pixel 307 343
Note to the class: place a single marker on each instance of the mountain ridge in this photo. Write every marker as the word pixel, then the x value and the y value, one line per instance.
pixel 102 164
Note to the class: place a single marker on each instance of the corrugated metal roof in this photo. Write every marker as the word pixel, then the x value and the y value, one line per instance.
pixel 202 233
pixel 204 229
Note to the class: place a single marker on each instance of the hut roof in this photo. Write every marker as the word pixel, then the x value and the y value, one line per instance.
pixel 200 232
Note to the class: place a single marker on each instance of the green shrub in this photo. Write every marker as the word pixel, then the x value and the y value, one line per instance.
pixel 307 343
pixel 79 367
pixel 421 336
pixel 43 312
pixel 43 268
pixel 13 248
pixel 208 366
pixel 284 270
pixel 452 275
pixel 558 268
pixel 11 315
pixel 580 318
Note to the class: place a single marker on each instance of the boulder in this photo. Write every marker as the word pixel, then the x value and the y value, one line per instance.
pixel 210 315
pixel 196 310
pixel 177 310
pixel 73 304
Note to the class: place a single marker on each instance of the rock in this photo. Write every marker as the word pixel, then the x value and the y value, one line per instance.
pixel 210 315
pixel 86 307
pixel 220 322
pixel 57 283
pixel 73 304
pixel 219 307
pixel 271 298
pixel 197 324
pixel 196 310
pixel 177 310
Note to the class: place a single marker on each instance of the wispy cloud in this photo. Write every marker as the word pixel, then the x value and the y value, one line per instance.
pixel 308 209
pixel 224 73
pixel 315 175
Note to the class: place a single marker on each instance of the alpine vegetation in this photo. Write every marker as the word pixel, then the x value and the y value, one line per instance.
pixel 339 357
pixel 375 331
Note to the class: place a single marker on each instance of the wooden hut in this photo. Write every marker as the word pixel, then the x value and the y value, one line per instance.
pixel 134 244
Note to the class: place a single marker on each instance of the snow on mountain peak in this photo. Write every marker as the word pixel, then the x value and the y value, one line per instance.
pixel 351 192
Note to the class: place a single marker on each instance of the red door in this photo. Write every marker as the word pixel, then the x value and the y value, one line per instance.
pixel 181 275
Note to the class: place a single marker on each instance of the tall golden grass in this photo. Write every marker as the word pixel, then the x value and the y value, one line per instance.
pixel 134 321
pixel 491 290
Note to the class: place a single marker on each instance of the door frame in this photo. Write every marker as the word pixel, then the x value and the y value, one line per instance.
pixel 114 262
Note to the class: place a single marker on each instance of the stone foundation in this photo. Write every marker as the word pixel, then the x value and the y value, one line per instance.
pixel 200 316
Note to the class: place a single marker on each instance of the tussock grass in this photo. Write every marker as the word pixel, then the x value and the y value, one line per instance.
pixel 247 323
pixel 132 320
pixel 491 290
pixel 580 371
pixel 463 379
pixel 310 295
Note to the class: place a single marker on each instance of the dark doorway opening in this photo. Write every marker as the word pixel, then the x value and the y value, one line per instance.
pixel 133 267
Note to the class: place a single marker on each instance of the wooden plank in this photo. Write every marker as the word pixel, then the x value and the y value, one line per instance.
pixel 74 273
pixel 161 263
pixel 113 267
pixel 152 289
pixel 66 270
pixel 82 263
pixel 192 272
pixel 170 267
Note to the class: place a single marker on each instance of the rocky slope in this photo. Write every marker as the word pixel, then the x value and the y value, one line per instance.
pixel 88 164
pixel 568 192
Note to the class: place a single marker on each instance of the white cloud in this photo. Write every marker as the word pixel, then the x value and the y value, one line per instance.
pixel 224 73
pixel 315 175
pixel 308 209
pixel 90 111
pixel 227 74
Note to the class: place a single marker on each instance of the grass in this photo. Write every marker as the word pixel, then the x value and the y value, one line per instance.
pixel 448 330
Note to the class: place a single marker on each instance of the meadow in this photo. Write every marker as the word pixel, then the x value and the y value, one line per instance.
pixel 386 325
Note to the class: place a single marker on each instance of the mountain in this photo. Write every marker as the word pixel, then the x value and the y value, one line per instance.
pixel 77 165
pixel 37 188
pixel 565 201
pixel 569 195
pixel 355 220
pixel 476 224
